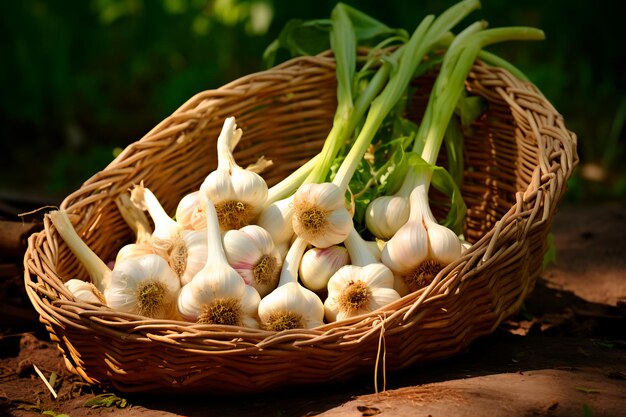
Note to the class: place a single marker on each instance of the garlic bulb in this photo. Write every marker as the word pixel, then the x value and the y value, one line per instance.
pixel 189 213
pixel 98 271
pixel 386 214
pixel 362 287
pixel 146 286
pixel 237 194
pixel 291 306
pixel 318 265
pixel 250 250
pixel 355 290
pixel 85 291
pixel 422 247
pixel 217 294
pixel 321 217
pixel 276 218
pixel 185 250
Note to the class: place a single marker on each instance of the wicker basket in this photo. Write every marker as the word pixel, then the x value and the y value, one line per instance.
pixel 518 159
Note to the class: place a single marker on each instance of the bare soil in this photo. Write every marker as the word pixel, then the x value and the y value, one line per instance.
pixel 564 354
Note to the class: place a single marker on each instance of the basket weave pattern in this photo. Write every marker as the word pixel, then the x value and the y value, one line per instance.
pixel 517 158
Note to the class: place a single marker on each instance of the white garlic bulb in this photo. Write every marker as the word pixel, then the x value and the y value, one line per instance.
pixel 189 212
pixel 146 286
pixel 250 250
pixel 320 214
pixel 291 306
pixel 217 294
pixel 386 214
pixel 356 290
pixel 237 194
pixel 318 265
pixel 362 287
pixel 422 247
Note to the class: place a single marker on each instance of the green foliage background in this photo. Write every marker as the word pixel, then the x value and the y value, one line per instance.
pixel 83 79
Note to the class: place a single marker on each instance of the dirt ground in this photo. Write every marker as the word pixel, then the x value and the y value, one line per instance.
pixel 563 355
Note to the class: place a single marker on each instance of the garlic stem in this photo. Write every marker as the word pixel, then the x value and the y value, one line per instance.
pixel 164 226
pixel 98 271
pixel 135 218
pixel 215 248
pixel 289 185
pixel 229 135
pixel 360 254
pixel 289 272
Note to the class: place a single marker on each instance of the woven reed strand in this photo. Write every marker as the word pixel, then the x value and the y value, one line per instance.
pixel 518 158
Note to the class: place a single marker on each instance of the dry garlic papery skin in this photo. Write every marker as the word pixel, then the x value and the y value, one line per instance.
pixel 251 251
pixel 320 214
pixel 185 250
pixel 238 195
pixel 291 306
pixel 422 247
pixel 146 286
pixel 85 291
pixel 217 294
pixel 360 288
pixel 318 265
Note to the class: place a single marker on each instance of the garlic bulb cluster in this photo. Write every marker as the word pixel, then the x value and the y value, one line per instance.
pixel 233 257
pixel 238 195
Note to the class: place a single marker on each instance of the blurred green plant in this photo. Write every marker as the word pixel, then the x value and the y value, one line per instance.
pixel 83 78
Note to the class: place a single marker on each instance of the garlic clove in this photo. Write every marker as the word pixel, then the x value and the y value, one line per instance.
pixel 319 264
pixel 146 286
pixel 136 250
pixel 445 245
pixel 407 248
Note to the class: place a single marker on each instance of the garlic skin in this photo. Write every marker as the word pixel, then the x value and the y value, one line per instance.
pixel 146 286
pixel 217 294
pixel 422 247
pixel 321 217
pixel 189 212
pixel 386 214
pixel 291 306
pixel 318 265
pixel 85 291
pixel 356 290
pixel 237 194
pixel 251 252
pixel 276 218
